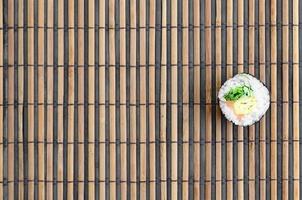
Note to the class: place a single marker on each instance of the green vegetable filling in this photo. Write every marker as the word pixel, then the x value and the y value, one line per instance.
pixel 238 92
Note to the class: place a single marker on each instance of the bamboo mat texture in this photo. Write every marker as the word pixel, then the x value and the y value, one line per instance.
pixel 117 99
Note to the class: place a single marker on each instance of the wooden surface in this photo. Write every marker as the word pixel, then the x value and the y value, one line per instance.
pixel 117 99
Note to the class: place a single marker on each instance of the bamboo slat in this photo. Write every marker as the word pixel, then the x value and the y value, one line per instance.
pixel 132 98
pixel 21 106
pixel 143 102
pixel 208 128
pixel 218 112
pixel 19 97
pixel 102 100
pixel 151 122
pixel 262 137
pixel 240 173
pixel 123 118
pixel 59 89
pixel 102 139
pixel 80 85
pixel 71 100
pixel 49 116
pixel 185 100
pixel 285 123
pixel 296 127
pixel 71 128
pixel 92 101
pixel 41 101
pixel 163 101
pixel 112 122
pixel 229 137
pixel 197 128
pixel 273 58
pixel 10 99
pixel 174 107
pixel 252 131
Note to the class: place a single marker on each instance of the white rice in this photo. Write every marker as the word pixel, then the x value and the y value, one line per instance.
pixel 260 92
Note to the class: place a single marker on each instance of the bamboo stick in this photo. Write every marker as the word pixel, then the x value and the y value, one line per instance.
pixel 152 130
pixel 285 126
pixel 208 135
pixel 185 94
pixel 174 149
pixel 30 126
pixel 49 146
pixel 143 107
pixel 30 50
pixel 70 138
pixel 20 101
pixel 91 136
pixel 60 99
pixel 229 137
pixel 81 135
pixel 143 131
pixel 10 117
pixel 71 100
pixel 10 129
pixel 252 132
pixel 240 22
pixel 41 96
pixel 218 112
pixel 163 126
pixel 123 123
pixel 81 89
pixel 102 148
pixel 112 102
pixel 112 133
pixel 197 127
pixel 296 127
pixel 10 97
pixel 102 145
pixel 91 101
pixel 196 139
pixel 60 146
pixel 263 120
pixel 133 131
pixel 174 111
pixel 152 99
pixel 133 134
pixel 273 99
pixel 123 115
pixel 20 132
pixel 163 106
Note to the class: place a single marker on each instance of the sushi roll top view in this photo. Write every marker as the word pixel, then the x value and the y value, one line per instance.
pixel 243 99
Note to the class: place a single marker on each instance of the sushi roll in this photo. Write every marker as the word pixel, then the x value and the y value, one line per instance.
pixel 243 99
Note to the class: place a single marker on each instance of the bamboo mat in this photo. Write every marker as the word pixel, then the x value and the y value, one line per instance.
pixel 116 99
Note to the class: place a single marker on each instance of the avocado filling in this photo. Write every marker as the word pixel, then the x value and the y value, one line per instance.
pixel 242 99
